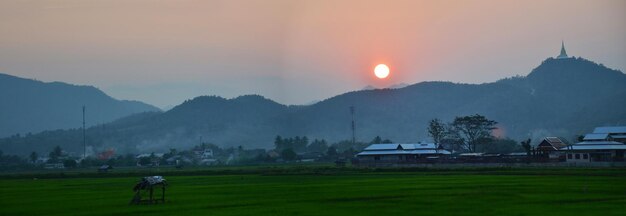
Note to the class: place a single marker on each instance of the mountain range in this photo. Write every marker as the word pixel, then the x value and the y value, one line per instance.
pixel 560 97
pixel 31 106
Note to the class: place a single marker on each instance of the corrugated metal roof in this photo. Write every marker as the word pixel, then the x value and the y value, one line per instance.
pixel 404 152
pixel 471 154
pixel 597 147
pixel 517 154
pixel 619 136
pixel 598 143
pixel 382 147
pixel 554 142
pixel 405 146
pixel 596 136
pixel 553 139
pixel 616 129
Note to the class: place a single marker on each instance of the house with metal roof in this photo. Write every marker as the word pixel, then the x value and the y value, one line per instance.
pixel 614 133
pixel 549 148
pixel 596 137
pixel 605 144
pixel 611 130
pixel 595 151
pixel 551 144
pixel 394 154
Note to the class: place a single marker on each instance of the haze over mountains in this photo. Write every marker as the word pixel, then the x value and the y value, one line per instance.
pixel 30 106
pixel 561 97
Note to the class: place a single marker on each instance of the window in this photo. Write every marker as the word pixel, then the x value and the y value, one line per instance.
pixel 569 156
pixel 376 157
pixel 577 156
pixel 585 156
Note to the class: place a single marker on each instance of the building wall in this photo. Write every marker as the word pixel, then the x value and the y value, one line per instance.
pixel 595 156
pixel 578 157
pixel 384 158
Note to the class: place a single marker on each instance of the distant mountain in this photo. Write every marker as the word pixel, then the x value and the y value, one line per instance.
pixel 394 86
pixel 397 86
pixel 368 87
pixel 30 106
pixel 561 97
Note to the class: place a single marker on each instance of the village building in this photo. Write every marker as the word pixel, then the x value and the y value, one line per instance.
pixel 549 148
pixel 617 133
pixel 393 154
pixel 595 151
pixel 153 159
pixel 206 153
pixel 605 144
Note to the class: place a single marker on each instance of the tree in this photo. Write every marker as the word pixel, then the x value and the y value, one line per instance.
pixel 377 140
pixel 503 146
pixel 300 143
pixel 278 143
pixel 69 163
pixel 33 157
pixel 451 139
pixel 580 138
pixel 473 130
pixel 170 154
pixel 288 155
pixel 143 161
pixel 319 146
pixel 436 130
pixel 331 152
pixel 55 154
pixel 526 145
pixel 173 151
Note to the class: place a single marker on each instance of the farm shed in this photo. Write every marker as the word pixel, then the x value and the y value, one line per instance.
pixel 389 154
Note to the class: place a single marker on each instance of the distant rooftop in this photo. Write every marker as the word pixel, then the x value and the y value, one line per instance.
pixel 553 142
pixel 596 136
pixel 397 149
pixel 394 146
pixel 610 130
pixel 596 145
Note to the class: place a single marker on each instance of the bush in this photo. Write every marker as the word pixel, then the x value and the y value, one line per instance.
pixel 69 163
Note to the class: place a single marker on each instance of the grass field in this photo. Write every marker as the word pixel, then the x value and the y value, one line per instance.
pixel 327 191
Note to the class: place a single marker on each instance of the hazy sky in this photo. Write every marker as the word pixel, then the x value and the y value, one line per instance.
pixel 295 52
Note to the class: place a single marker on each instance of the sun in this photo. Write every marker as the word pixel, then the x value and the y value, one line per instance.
pixel 381 71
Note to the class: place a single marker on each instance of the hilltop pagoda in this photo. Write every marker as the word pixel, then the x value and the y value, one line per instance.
pixel 563 54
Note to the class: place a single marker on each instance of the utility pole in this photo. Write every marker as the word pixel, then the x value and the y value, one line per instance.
pixel 84 138
pixel 353 126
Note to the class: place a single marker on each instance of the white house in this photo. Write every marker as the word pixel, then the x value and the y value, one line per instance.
pixel 595 151
pixel 615 133
pixel 605 144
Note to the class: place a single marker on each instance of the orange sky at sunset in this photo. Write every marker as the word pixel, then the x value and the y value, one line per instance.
pixel 163 52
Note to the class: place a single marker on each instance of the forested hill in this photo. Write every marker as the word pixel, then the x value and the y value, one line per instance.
pixel 30 106
pixel 561 97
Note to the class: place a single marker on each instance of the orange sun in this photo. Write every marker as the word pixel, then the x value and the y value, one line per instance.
pixel 381 71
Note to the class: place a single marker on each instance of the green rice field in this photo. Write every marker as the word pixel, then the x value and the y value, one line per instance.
pixel 325 191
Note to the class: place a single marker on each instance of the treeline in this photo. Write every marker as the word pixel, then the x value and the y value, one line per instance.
pixel 472 133
pixel 294 148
